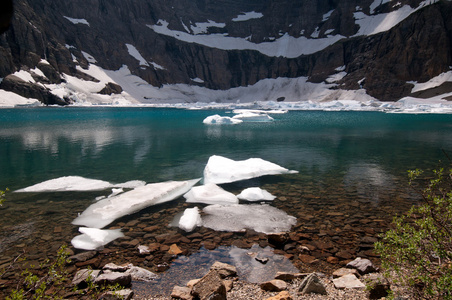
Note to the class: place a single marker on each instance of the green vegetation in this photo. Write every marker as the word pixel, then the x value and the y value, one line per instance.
pixel 2 196
pixel 52 281
pixel 417 252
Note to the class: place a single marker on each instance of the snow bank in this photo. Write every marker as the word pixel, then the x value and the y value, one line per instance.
pixel 210 193
pixel 93 238
pixel 10 99
pixel 102 213
pixel 255 194
pixel 261 218
pixel 223 170
pixel 190 219
pixel 219 120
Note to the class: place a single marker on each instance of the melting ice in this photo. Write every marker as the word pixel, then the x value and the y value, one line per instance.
pixel 255 194
pixel 93 238
pixel 261 218
pixel 224 170
pixel 102 213
pixel 210 194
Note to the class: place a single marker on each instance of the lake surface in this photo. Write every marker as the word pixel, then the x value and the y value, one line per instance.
pixel 356 160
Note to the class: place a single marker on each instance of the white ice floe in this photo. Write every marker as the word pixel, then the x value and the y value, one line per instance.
pixel 223 170
pixel 77 184
pixel 94 238
pixel 218 120
pixel 255 194
pixel 253 117
pixel 102 213
pixel 210 193
pixel 259 111
pixel 261 218
pixel 190 219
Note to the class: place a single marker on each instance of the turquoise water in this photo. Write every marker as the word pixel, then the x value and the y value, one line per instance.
pixel 120 144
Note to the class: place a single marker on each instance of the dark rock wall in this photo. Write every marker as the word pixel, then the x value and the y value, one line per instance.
pixel 417 49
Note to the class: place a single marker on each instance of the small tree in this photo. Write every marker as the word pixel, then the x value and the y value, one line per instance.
pixel 419 247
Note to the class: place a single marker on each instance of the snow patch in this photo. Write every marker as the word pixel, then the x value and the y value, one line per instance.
pixel 89 57
pixel 248 16
pixel 77 21
pixel 137 55
pixel 202 28
pixel 432 83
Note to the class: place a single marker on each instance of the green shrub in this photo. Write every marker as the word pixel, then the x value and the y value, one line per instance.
pixel 418 250
pixel 2 196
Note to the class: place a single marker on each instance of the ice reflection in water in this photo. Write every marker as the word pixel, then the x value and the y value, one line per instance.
pixel 197 265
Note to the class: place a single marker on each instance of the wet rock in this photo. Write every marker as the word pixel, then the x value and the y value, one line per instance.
pixel 278 239
pixel 290 276
pixel 81 257
pixel 210 287
pixel 349 281
pixel 284 295
pixel 378 286
pixel 308 259
pixel 363 265
pixel 180 292
pixel 312 284
pixel 125 294
pixel 275 285
pixel 174 250
pixel 114 278
pixel 225 270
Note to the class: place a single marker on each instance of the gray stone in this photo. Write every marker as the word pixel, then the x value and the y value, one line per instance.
pixel 114 278
pixel 275 285
pixel 141 274
pixel 125 294
pixel 117 268
pixel 210 287
pixel 345 271
pixel 82 276
pixel 363 265
pixel 349 281
pixel 312 284
pixel 290 276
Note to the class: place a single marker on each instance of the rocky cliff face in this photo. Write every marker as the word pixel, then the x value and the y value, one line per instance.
pixel 222 44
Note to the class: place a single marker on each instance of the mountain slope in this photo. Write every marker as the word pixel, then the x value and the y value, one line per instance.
pixel 169 51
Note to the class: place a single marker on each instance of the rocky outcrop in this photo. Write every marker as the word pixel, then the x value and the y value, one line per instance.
pixel 67 33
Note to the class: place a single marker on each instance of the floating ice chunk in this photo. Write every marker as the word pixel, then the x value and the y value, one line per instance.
pixel 190 219
pixel 93 238
pixel 253 117
pixel 68 183
pixel 262 218
pixel 260 111
pixel 223 170
pixel 217 119
pixel 102 213
pixel 210 193
pixel 255 194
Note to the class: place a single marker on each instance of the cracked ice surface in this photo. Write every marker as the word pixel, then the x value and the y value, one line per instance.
pixel 94 238
pixel 261 218
pixel 224 170
pixel 210 193
pixel 102 213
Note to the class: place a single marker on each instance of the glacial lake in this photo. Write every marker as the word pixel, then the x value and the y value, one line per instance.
pixel 356 160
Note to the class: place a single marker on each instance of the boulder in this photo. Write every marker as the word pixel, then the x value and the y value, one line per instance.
pixel 224 270
pixel 345 271
pixel 312 284
pixel 141 274
pixel 114 278
pixel 363 265
pixel 81 277
pixel 180 292
pixel 111 88
pixel 210 287
pixel 349 281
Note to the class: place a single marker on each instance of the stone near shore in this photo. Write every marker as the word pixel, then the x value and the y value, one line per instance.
pixel 284 295
pixel 363 265
pixel 181 292
pixel 114 278
pixel 312 284
pixel 349 281
pixel 210 287
pixel 275 285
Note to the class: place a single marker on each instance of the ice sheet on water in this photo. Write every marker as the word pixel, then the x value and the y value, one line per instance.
pixel 223 170
pixel 253 117
pixel 93 238
pixel 190 219
pixel 102 213
pixel 218 120
pixel 210 193
pixel 261 218
pixel 255 194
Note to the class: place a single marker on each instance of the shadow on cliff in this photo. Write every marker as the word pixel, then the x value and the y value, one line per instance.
pixel 6 12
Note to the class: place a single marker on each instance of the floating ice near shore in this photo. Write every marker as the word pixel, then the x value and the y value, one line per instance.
pixel 261 218
pixel 224 170
pixel 77 184
pixel 253 117
pixel 255 194
pixel 259 111
pixel 210 193
pixel 217 119
pixel 190 219
pixel 93 238
pixel 102 213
